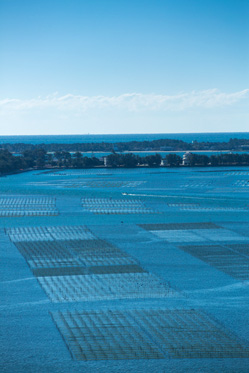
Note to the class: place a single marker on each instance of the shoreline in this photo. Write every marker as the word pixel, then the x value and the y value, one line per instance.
pixel 50 169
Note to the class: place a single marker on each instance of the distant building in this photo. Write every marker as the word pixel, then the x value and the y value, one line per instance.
pixel 105 160
pixel 186 159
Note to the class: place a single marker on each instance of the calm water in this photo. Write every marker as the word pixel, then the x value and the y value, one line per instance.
pixel 70 139
pixel 212 284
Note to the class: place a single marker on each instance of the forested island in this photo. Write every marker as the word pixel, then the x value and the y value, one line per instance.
pixel 39 158
pixel 133 146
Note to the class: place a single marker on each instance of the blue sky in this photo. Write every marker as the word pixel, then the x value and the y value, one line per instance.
pixel 129 66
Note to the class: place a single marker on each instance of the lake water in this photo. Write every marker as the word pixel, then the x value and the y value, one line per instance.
pixel 91 260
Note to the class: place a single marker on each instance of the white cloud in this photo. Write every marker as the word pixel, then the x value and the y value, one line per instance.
pixel 129 101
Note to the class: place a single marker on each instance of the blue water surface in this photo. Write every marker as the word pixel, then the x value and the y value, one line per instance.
pixel 30 340
pixel 70 139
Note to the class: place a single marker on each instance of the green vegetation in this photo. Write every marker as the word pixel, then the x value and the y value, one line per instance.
pixel 132 146
pixel 38 158
pixel 173 160
pixel 130 160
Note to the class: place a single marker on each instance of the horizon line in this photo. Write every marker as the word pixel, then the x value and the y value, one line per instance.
pixel 125 134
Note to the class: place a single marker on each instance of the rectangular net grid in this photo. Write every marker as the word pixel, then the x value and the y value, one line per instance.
pixel 80 270
pixel 48 233
pixel 178 226
pixel 66 246
pixel 84 288
pixel 97 183
pixel 115 206
pixel 225 259
pixel 50 258
pixel 96 335
pixel 27 206
pixel 192 207
pixel 146 334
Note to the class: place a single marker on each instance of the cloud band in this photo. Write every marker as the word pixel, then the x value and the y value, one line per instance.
pixel 129 101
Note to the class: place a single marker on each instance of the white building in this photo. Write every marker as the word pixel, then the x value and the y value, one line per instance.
pixel 186 159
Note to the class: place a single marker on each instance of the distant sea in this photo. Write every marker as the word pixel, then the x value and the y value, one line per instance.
pixel 71 139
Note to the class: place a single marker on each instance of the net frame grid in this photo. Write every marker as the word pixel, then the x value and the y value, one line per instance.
pixel 48 256
pixel 77 253
pixel 49 233
pixel 79 270
pixel 222 257
pixel 115 206
pixel 179 226
pixel 145 334
pixel 83 288
pixel 98 183
pixel 27 206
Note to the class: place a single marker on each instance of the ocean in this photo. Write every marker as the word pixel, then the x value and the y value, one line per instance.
pixel 71 139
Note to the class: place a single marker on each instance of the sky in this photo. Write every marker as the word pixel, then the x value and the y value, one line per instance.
pixel 133 66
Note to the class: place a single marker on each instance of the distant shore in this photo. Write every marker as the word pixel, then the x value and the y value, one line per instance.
pixel 159 145
pixel 51 169
pixel 19 157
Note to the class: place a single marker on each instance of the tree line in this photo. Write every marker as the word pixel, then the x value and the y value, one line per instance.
pixel 38 158
pixel 154 145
